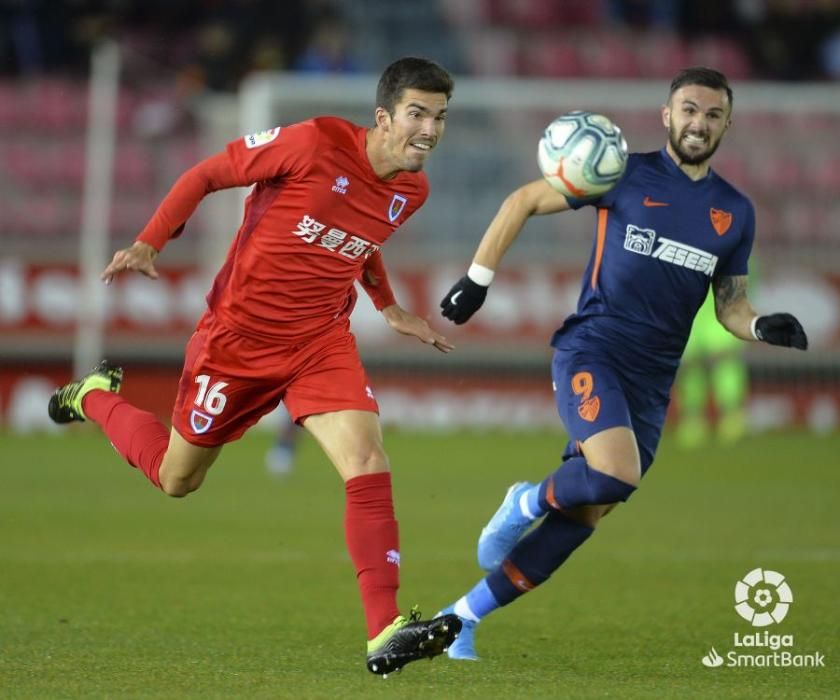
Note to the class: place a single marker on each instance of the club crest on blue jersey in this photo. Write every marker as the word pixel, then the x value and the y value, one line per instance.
pixel 721 220
pixel 200 422
pixel 397 205
pixel 639 240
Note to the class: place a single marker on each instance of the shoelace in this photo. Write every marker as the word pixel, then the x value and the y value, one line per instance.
pixel 415 614
pixel 65 396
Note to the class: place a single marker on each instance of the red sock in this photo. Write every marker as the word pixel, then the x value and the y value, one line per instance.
pixel 373 541
pixel 139 437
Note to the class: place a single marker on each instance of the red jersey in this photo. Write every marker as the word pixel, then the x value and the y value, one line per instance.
pixel 313 224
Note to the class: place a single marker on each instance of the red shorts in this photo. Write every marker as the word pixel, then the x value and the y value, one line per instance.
pixel 230 381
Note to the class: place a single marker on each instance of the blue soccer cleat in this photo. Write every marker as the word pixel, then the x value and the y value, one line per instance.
pixel 504 529
pixel 463 648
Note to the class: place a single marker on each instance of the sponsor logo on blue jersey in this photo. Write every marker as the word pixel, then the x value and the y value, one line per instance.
pixel 642 240
pixel 639 240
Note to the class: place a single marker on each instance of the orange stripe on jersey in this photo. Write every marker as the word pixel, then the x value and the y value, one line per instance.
pixel 516 577
pixel 549 495
pixel 599 244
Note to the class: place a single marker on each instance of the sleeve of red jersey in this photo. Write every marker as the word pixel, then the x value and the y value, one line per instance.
pixel 280 152
pixel 214 173
pixel 374 279
pixel 265 155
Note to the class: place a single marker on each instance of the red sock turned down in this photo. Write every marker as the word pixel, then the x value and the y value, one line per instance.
pixel 373 541
pixel 139 437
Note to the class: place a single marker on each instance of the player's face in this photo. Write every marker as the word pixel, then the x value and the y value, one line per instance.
pixel 696 118
pixel 414 129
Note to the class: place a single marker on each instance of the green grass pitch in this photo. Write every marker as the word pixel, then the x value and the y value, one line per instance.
pixel 244 589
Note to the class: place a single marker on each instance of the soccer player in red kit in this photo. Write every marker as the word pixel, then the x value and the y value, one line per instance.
pixel 327 194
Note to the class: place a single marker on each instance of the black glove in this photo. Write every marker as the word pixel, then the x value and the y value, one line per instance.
pixel 463 300
pixel 781 329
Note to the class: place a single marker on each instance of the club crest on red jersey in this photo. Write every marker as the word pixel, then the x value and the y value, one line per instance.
pixel 200 422
pixel 397 205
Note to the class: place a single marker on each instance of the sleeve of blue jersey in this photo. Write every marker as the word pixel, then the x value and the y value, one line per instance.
pixel 737 263
pixel 591 201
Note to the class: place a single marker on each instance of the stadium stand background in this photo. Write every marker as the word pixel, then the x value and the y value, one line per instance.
pixel 183 62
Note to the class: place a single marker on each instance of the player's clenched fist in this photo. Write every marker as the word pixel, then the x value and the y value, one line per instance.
pixel 140 256
pixel 463 300
pixel 781 329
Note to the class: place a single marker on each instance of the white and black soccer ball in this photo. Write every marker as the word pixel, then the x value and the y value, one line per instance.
pixel 582 154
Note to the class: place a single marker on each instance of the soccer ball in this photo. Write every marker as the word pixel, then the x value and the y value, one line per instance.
pixel 582 154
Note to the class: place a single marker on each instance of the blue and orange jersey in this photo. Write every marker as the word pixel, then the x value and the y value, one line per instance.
pixel 660 238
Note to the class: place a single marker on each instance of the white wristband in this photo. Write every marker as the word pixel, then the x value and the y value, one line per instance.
pixel 480 274
pixel 752 328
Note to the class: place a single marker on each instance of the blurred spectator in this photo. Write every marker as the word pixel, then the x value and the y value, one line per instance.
pixel 722 19
pixel 659 14
pixel 241 36
pixel 329 48
pixel 214 43
pixel 790 40
pixel 38 36
pixel 830 56
pixel 216 66
pixel 267 53
pixel 20 42
pixel 272 34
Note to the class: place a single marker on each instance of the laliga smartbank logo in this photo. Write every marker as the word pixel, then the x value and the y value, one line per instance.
pixel 763 598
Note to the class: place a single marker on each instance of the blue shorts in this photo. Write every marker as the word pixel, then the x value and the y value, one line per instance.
pixel 594 392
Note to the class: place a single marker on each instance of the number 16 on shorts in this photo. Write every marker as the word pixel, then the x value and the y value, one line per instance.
pixel 209 397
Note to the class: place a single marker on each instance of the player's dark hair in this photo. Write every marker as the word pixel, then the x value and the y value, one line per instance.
pixel 411 73
pixel 700 75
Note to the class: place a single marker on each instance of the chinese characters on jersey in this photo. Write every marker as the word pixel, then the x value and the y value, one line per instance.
pixel 312 231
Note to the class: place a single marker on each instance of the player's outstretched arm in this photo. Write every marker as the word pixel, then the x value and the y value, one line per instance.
pixel 737 315
pixel 214 173
pixel 140 257
pixel 407 323
pixel 374 280
pixel 468 293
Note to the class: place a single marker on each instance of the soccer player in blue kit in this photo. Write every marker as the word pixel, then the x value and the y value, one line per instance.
pixel 664 233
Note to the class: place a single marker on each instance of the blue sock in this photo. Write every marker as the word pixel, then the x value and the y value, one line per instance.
pixel 536 556
pixel 532 500
pixel 479 602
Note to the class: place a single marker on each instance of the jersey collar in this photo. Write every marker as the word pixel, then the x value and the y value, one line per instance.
pixel 674 168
